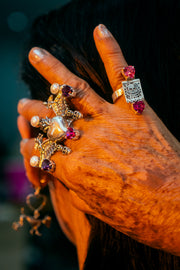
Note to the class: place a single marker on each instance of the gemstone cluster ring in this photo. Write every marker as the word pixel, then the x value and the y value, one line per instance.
pixel 58 129
pixel 132 90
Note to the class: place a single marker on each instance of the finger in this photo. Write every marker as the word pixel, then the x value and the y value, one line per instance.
pixel 29 108
pixel 25 131
pixel 33 174
pixel 111 55
pixel 24 127
pixel 27 150
pixel 86 100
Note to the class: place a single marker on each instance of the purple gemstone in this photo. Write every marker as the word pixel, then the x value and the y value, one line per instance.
pixel 70 133
pixel 66 90
pixel 139 106
pixel 46 165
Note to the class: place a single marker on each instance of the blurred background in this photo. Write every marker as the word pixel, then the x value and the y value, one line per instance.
pixel 19 250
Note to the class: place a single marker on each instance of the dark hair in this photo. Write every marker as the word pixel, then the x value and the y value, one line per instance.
pixel 147 32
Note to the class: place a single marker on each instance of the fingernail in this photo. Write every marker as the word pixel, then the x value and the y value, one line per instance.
pixel 21 103
pixel 103 31
pixel 36 54
pixel 24 141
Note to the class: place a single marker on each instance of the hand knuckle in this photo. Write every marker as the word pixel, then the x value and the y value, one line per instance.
pixel 80 84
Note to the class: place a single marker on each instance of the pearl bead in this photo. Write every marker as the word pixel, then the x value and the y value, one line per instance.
pixel 35 121
pixel 54 88
pixel 34 161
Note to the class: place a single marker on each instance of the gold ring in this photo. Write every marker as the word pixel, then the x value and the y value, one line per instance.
pixel 118 93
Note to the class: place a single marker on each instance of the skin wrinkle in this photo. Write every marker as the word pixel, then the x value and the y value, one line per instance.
pixel 149 151
pixel 135 173
pixel 103 165
pixel 170 185
pixel 82 98
pixel 109 213
pixel 99 199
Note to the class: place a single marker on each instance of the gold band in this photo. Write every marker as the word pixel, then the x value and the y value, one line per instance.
pixel 117 94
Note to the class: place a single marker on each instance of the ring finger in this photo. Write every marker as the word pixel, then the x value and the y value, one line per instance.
pixel 86 100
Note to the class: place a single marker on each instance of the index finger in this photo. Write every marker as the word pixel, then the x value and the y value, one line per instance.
pixel 86 100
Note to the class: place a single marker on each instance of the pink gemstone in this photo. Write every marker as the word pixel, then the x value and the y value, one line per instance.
pixel 70 133
pixel 129 72
pixel 139 106
pixel 66 90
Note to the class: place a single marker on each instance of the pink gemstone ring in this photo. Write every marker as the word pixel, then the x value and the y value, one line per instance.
pixel 132 90
pixel 58 129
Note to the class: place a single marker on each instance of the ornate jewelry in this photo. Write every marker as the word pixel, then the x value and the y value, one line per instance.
pixel 132 90
pixel 34 220
pixel 57 128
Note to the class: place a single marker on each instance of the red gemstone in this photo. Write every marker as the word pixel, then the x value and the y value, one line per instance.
pixel 129 72
pixel 139 106
pixel 46 165
pixel 66 90
pixel 70 133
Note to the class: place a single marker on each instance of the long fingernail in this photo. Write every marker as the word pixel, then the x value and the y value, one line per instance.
pixel 21 103
pixel 103 31
pixel 36 54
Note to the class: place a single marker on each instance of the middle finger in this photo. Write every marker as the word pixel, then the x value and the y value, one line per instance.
pixel 29 108
pixel 86 100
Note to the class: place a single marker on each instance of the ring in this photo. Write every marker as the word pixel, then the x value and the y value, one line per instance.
pixel 58 129
pixel 132 90
pixel 118 93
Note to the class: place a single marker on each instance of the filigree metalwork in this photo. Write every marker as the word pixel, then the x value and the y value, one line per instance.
pixel 57 128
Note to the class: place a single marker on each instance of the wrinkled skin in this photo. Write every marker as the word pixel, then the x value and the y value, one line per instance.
pixel 124 169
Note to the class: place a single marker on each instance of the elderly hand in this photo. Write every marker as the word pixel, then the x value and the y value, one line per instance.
pixel 124 168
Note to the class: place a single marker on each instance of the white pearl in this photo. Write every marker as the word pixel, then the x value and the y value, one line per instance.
pixel 54 88
pixel 35 121
pixel 34 161
pixel 77 134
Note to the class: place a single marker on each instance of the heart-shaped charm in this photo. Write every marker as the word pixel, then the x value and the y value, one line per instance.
pixel 36 202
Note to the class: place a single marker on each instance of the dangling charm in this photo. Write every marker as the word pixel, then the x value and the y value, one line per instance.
pixel 34 220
